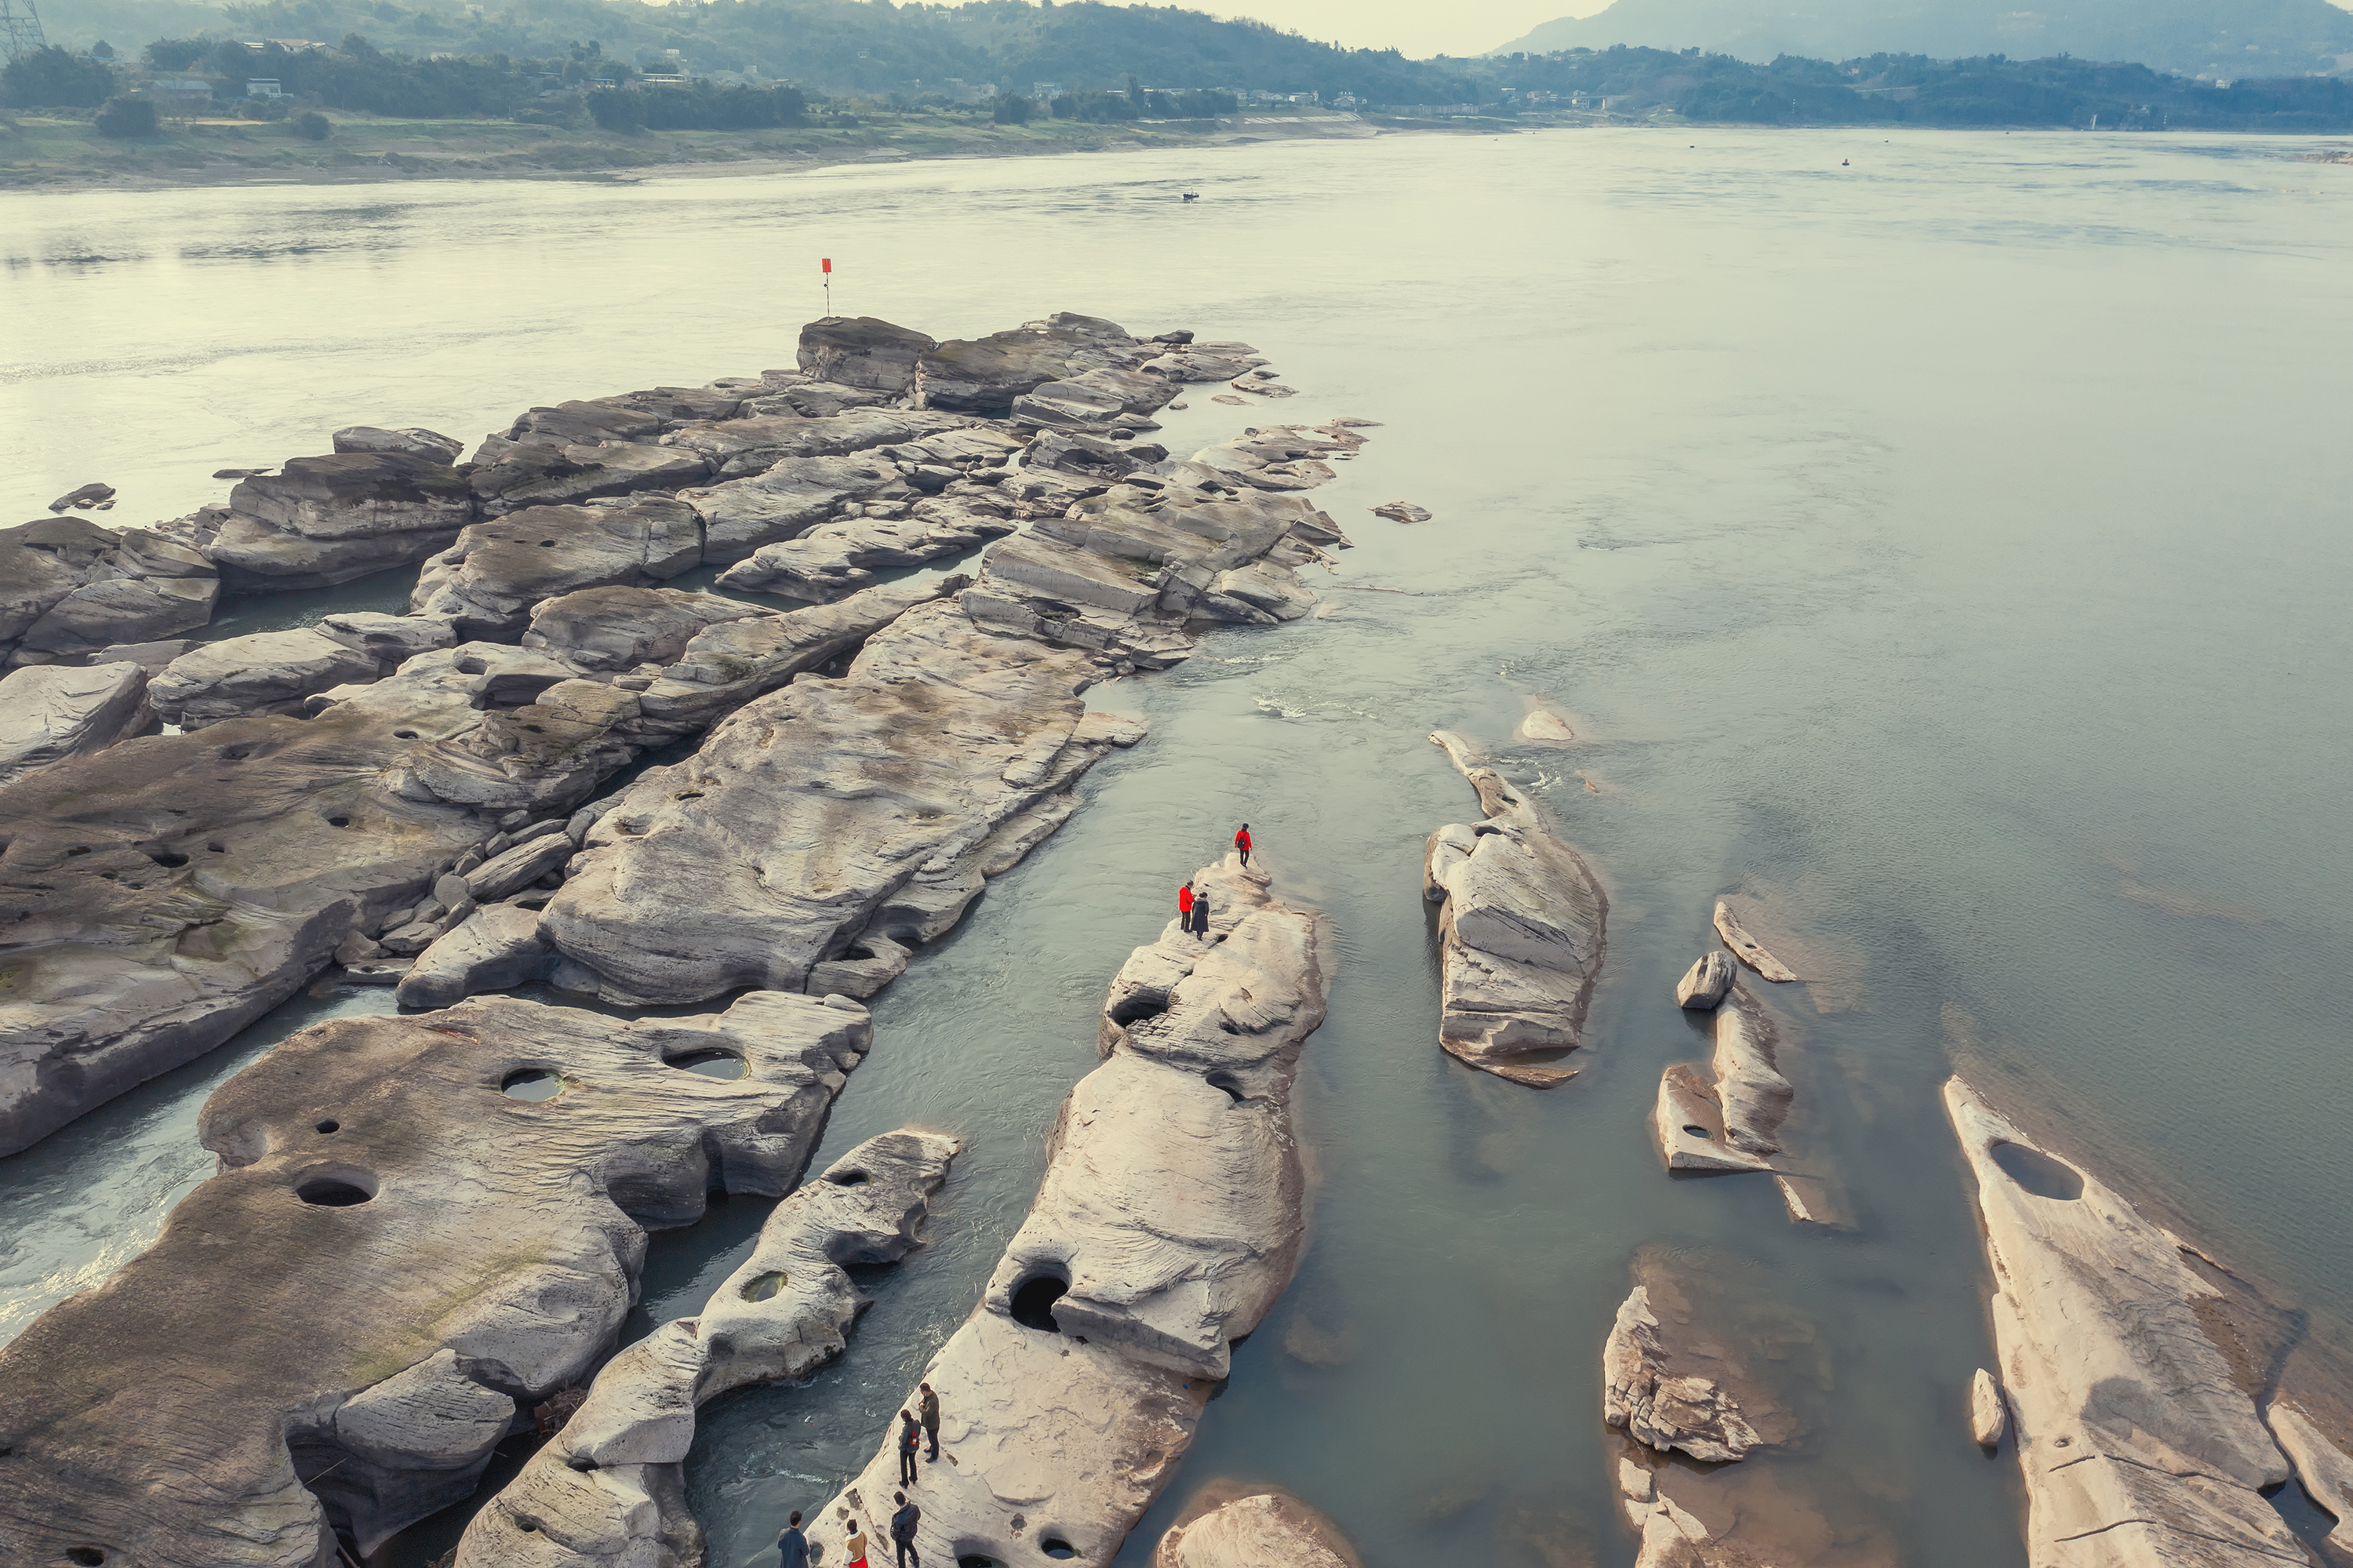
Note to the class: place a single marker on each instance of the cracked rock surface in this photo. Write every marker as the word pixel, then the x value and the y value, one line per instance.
pixel 51 712
pixel 332 1332
pixel 1168 1221
pixel 610 1489
pixel 1521 935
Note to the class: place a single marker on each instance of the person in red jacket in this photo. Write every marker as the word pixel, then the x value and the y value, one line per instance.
pixel 1184 908
pixel 1242 843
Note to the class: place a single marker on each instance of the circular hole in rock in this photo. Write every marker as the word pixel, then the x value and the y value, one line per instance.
pixel 1695 1131
pixel 329 1127
pixel 1034 1299
pixel 1227 1084
pixel 339 822
pixel 217 849
pixel 167 858
pixel 848 1178
pixel 1055 1546
pixel 472 667
pixel 532 1084
pixel 762 1286
pixel 709 1064
pixel 88 1556
pixel 235 753
pixel 975 1560
pixel 404 734
pixel 2037 1171
pixel 547 543
pixel 335 1189
pixel 79 849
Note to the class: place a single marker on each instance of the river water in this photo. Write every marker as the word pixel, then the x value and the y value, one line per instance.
pixel 1946 547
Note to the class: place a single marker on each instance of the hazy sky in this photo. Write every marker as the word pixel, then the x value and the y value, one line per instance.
pixel 1417 26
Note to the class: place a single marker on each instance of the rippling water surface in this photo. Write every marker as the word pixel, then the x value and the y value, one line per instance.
pixel 1949 548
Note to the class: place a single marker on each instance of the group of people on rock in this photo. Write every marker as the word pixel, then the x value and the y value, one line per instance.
pixel 1192 903
pixel 793 1544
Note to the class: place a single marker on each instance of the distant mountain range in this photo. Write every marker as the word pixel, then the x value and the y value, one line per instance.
pixel 2224 38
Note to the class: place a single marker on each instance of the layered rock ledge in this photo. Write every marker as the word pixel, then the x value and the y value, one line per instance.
pixel 1521 934
pixel 610 1487
pixel 418 1223
pixel 1168 1221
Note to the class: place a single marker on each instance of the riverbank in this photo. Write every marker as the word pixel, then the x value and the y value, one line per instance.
pixel 59 151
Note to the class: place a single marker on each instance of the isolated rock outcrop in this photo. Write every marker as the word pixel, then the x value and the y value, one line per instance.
pixel 430 445
pixel 1705 983
pixel 2139 1444
pixel 1989 1419
pixel 1258 1529
pixel 1748 948
pixel 69 587
pixel 325 520
pixel 861 351
pixel 610 1487
pixel 938 759
pixel 1676 1390
pixel 1168 1221
pixel 1521 935
pixel 52 711
pixel 330 1334
pixel 487 582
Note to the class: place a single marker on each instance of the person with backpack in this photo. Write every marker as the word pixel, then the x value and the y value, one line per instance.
pixel 910 1435
pixel 1242 843
pixel 903 1530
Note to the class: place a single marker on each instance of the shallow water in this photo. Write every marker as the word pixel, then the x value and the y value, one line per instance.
pixel 1947 548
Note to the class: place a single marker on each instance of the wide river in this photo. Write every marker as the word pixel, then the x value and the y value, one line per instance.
pixel 1949 547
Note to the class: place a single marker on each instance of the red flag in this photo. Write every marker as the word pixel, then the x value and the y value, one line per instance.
pixel 825 265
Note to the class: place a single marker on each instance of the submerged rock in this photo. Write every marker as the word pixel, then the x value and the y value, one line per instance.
pixel 332 1332
pixel 52 711
pixel 1989 1418
pixel 1168 1221
pixel 1401 511
pixel 1645 1394
pixel 610 1487
pixel 1749 1082
pixel 2138 1444
pixel 1748 948
pixel 1521 935
pixel 1259 1529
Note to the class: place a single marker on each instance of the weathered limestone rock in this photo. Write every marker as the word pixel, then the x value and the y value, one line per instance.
pixel 1704 985
pixel 1546 722
pixel 430 445
pixel 2139 1446
pixel 620 628
pixel 326 520
pixel 905 783
pixel 1522 935
pixel 611 1488
pixel 984 376
pixel 495 948
pixel 1749 1082
pixel 861 351
pixel 791 497
pixel 2322 1468
pixel 1276 457
pixel 838 558
pixel 51 712
pixel 737 448
pixel 1643 1396
pixel 1989 1419
pixel 263 673
pixel 1202 361
pixel 148 656
pixel 433 1247
pixel 488 581
pixel 1402 512
pixel 69 587
pixel 83 497
pixel 1689 1121
pixel 1259 1529
pixel 1168 1222
pixel 1088 457
pixel 1074 405
pixel 1748 948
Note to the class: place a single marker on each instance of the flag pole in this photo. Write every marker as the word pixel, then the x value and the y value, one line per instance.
pixel 825 268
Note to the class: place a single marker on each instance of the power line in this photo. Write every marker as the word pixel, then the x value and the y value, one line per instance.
pixel 20 29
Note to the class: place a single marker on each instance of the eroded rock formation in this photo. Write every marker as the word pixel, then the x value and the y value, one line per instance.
pixel 69 587
pixel 1259 1528
pixel 610 1489
pixel 2138 1440
pixel 1168 1221
pixel 51 712
pixel 1521 934
pixel 331 1333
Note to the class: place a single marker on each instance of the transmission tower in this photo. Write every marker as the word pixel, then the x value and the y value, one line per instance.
pixel 20 28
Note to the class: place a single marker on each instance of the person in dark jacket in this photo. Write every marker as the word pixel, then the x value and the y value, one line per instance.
pixel 1201 915
pixel 1242 843
pixel 903 1530
pixel 930 1405
pixel 910 1435
pixel 793 1545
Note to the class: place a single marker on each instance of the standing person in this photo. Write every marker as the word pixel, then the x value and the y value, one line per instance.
pixel 1242 843
pixel 903 1530
pixel 792 1546
pixel 853 1546
pixel 1184 908
pixel 1200 924
pixel 908 1434
pixel 930 1405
